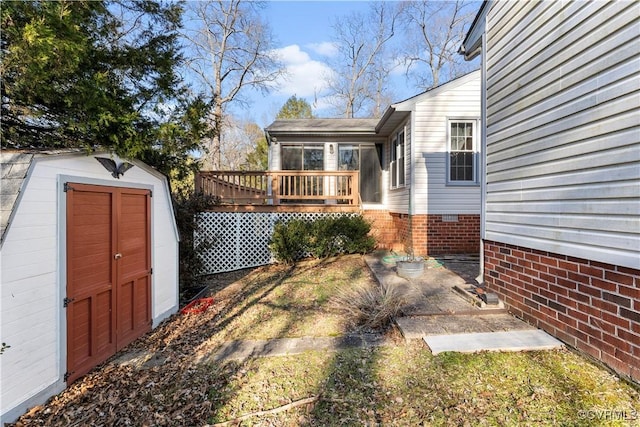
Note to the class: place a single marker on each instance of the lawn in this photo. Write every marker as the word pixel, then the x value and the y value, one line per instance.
pixel 164 378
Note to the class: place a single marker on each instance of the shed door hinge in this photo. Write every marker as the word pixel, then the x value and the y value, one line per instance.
pixel 67 375
pixel 66 301
pixel 67 187
pixel 151 271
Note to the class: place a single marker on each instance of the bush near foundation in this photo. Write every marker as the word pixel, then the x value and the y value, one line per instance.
pixel 322 238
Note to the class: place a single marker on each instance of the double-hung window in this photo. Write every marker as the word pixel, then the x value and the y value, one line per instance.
pixel 462 164
pixel 396 167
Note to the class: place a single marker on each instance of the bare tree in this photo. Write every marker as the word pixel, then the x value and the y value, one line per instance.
pixel 362 65
pixel 435 30
pixel 229 48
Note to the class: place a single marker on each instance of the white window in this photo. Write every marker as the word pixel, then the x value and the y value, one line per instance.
pixel 397 160
pixel 463 159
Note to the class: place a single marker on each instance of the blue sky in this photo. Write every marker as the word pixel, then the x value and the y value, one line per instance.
pixel 303 31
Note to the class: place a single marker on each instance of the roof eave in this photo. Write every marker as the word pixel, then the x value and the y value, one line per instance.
pixel 472 44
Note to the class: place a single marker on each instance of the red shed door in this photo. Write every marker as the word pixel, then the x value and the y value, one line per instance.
pixel 108 272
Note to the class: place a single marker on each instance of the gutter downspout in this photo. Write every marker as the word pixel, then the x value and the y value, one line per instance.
pixel 483 154
pixel 412 175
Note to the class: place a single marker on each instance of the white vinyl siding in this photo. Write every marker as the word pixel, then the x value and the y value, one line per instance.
pixel 456 101
pixel 563 128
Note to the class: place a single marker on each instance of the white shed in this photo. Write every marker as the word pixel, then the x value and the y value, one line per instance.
pixel 89 262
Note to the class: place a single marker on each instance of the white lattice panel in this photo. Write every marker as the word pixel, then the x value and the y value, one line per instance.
pixel 241 239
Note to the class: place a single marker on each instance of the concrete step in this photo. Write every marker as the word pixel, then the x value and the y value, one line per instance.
pixel 527 340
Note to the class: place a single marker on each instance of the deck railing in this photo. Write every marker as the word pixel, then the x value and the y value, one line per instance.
pixel 280 187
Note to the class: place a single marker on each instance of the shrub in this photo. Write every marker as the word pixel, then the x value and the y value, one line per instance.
pixel 322 238
pixel 369 306
pixel 289 240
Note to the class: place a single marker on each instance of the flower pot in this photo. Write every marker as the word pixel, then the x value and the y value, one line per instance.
pixel 410 269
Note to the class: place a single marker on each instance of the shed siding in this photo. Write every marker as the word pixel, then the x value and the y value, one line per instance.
pixel 563 164
pixel 433 195
pixel 32 276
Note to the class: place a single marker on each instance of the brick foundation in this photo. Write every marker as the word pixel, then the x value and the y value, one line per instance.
pixel 432 234
pixel 592 306
pixel 382 228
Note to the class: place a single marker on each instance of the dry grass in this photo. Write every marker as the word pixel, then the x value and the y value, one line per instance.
pixel 369 306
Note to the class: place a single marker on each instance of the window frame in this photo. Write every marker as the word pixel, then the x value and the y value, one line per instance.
pixel 303 147
pixel 475 181
pixel 398 174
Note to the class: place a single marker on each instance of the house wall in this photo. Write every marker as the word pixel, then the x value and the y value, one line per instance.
pixel 434 235
pixel 563 103
pixel 593 306
pixel 33 276
pixel 460 100
pixel 432 199
pixel 562 224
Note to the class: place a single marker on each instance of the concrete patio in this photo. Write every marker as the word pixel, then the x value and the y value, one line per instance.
pixel 440 311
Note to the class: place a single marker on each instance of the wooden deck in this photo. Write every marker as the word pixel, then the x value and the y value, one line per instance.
pixel 281 191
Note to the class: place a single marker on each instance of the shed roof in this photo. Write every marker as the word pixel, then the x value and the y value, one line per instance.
pixel 14 166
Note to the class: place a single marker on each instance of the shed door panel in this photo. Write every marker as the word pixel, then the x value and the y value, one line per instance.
pixel 108 272
pixel 134 268
pixel 90 276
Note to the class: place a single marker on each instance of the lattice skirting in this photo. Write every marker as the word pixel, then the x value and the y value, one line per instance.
pixel 241 239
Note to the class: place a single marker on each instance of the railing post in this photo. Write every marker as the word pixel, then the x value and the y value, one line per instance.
pixel 198 182
pixel 355 189
pixel 275 192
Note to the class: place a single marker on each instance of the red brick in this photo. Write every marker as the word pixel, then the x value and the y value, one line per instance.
pixel 558 290
pixel 629 337
pixel 580 297
pixel 590 291
pixel 604 305
pixel 567 302
pixel 553 262
pixel 580 336
pixel 606 327
pixel 568 266
pixel 579 315
pixel 589 330
pixel 604 285
pixel 617 365
pixel 623 279
pixel 589 349
pixel 601 345
pixel 629 291
pixel 591 271
pixel 566 320
pixel 565 337
pixel 616 320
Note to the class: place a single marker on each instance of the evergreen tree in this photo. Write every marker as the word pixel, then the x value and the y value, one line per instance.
pixel 96 75
pixel 295 108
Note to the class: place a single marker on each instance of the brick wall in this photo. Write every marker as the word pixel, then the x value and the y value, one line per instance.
pixel 382 228
pixel 592 306
pixel 432 234
pixel 447 235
